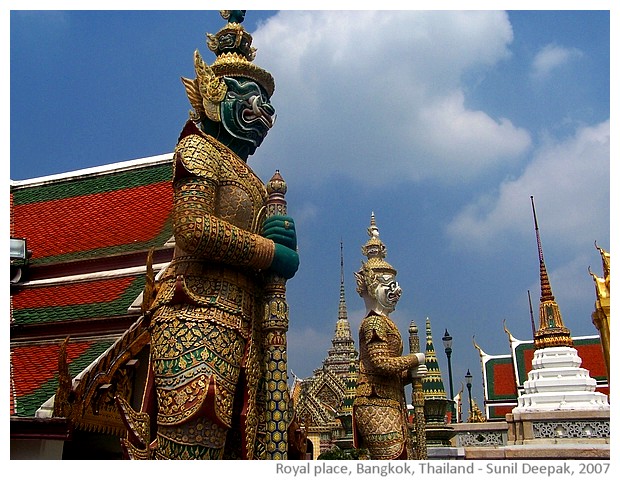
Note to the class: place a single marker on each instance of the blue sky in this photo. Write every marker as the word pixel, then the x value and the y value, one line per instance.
pixel 442 123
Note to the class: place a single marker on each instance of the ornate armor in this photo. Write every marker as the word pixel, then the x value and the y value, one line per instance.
pixel 204 330
pixel 379 406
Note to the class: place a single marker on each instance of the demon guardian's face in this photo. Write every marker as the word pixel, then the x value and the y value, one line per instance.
pixel 387 292
pixel 246 112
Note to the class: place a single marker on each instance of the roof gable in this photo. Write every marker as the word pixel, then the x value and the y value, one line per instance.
pixel 89 232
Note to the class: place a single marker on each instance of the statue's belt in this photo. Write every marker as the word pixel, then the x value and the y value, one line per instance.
pixel 195 284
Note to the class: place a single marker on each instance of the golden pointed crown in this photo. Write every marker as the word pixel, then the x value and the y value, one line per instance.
pixel 232 46
pixel 375 250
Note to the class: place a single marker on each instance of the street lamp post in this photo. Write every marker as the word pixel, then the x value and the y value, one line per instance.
pixel 447 343
pixel 468 378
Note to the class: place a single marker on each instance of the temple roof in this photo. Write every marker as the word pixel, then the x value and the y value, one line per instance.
pixel 85 215
pixel 504 374
pixel 34 370
pixel 89 233
pixel 93 298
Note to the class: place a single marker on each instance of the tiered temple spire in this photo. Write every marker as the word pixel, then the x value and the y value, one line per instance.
pixel 343 352
pixel 551 330
pixel 436 403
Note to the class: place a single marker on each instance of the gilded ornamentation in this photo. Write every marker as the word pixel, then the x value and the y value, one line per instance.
pixel 417 399
pixel 551 331
pixel 379 409
pixel 601 315
pixel 89 404
pixel 275 326
pixel 216 330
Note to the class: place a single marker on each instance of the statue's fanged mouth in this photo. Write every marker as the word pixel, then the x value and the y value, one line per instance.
pixel 258 112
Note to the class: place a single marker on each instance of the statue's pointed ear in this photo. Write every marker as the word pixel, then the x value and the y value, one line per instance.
pixel 361 284
pixel 212 89
pixel 193 94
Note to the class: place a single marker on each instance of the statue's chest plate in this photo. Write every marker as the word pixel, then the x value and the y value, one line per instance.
pixel 241 195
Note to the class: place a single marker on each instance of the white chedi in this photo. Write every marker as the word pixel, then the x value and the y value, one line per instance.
pixel 557 382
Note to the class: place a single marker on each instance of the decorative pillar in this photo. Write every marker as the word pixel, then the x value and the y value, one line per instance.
pixel 275 326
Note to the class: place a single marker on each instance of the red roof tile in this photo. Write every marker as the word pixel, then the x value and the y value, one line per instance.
pixel 105 290
pixel 94 221
pixel 31 365
pixel 34 370
pixel 80 220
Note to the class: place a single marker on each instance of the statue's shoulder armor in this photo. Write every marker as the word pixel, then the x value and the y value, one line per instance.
pixel 374 326
pixel 195 155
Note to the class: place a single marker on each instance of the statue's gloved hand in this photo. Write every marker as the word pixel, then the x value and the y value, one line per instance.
pixel 421 370
pixel 281 229
pixel 285 261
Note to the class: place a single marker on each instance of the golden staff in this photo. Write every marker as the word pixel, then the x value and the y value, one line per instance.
pixel 417 398
pixel 275 326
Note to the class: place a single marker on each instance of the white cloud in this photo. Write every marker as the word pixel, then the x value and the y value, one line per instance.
pixel 306 212
pixel 465 142
pixel 550 58
pixel 569 179
pixel 378 95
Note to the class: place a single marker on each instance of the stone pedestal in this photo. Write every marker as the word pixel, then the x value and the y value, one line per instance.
pixel 528 436
pixel 560 414
pixel 562 426
pixel 438 432
pixel 568 434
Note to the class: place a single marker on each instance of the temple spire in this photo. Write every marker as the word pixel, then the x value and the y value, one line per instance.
pixel 342 352
pixel 545 286
pixel 529 298
pixel 551 331
pixel 342 306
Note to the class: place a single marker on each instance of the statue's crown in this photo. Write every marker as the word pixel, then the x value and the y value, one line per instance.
pixel 375 250
pixel 234 52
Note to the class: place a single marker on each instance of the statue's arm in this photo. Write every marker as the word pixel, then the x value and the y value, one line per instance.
pixel 379 353
pixel 197 230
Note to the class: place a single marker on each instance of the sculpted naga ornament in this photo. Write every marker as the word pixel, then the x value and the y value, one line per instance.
pixel 206 365
pixel 379 408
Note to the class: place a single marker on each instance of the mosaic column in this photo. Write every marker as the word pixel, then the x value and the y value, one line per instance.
pixel 417 398
pixel 275 326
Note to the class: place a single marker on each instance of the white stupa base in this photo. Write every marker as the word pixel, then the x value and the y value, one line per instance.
pixel 556 382
pixel 539 402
